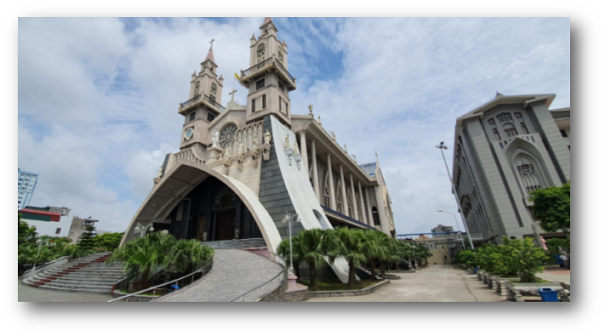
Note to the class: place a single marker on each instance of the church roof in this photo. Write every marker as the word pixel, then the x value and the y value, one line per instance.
pixel 267 20
pixel 210 56
pixel 370 167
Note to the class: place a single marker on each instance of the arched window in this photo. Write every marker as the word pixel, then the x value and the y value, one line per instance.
pixel 510 130
pixel 196 91
pixel 327 197
pixel 529 173
pixel 497 134
pixel 213 90
pixel 260 53
pixel 375 216
pixel 349 202
pixel 338 202
pixel 524 128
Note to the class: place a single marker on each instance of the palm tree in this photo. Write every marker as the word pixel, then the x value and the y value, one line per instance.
pixel 311 251
pixel 284 250
pixel 391 254
pixel 145 256
pixel 373 248
pixel 189 255
pixel 346 243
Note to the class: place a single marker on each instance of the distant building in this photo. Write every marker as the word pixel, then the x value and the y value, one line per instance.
pixel 78 226
pixel 505 149
pixel 48 221
pixel 25 187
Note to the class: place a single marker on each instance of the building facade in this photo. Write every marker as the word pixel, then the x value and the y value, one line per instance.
pixel 242 168
pixel 25 187
pixel 505 149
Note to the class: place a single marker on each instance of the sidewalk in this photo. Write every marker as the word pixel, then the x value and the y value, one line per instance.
pixel 31 294
pixel 557 276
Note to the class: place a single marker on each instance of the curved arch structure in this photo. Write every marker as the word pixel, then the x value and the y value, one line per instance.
pixel 179 181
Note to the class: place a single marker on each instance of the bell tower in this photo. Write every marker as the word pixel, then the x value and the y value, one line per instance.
pixel 268 81
pixel 203 105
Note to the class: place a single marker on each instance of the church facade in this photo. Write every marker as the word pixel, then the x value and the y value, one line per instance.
pixel 505 149
pixel 242 168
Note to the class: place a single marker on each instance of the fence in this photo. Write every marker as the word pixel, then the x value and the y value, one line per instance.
pixel 202 271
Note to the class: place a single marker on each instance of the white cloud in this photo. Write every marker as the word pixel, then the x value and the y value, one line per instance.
pixel 98 106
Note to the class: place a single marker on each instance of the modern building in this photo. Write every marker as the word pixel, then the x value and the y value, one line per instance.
pixel 25 187
pixel 505 149
pixel 242 168
pixel 48 221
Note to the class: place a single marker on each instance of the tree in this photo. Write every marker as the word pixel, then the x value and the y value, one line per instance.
pixel 374 248
pixel 552 208
pixel 486 257
pixel 189 254
pixel 346 243
pixel 86 241
pixel 520 257
pixel 108 241
pixel 26 234
pixel 284 250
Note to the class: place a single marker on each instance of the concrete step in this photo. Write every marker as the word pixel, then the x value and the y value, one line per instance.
pixel 86 290
pixel 78 286
pixel 88 282
pixel 84 279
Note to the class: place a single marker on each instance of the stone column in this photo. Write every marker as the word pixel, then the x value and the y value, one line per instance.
pixel 331 183
pixel 354 200
pixel 364 218
pixel 303 151
pixel 343 194
pixel 315 179
pixel 370 217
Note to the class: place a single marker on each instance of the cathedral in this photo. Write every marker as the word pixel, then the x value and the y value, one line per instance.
pixel 242 168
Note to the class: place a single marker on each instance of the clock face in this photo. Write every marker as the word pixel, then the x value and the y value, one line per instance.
pixel 188 133
pixel 227 135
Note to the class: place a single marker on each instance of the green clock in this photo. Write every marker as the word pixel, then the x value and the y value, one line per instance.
pixel 188 133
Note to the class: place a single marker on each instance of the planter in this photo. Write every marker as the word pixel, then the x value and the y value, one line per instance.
pixel 470 270
pixel 499 284
pixel 515 291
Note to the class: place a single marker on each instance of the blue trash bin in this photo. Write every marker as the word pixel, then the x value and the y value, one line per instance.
pixel 475 270
pixel 548 295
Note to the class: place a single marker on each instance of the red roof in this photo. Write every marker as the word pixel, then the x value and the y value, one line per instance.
pixel 54 216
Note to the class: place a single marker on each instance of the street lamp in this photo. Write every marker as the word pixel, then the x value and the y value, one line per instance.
pixel 414 252
pixel 457 226
pixel 289 219
pixel 37 254
pixel 442 147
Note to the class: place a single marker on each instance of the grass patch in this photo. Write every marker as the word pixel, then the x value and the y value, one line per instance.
pixel 538 280
pixel 335 286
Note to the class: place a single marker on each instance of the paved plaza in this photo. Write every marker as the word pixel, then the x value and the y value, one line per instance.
pixel 234 273
pixel 436 283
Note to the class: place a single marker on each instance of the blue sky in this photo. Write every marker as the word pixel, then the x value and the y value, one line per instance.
pixel 98 97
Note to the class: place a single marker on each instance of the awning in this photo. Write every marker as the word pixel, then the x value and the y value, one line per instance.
pixel 45 216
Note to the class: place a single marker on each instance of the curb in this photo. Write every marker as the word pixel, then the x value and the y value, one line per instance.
pixel 356 292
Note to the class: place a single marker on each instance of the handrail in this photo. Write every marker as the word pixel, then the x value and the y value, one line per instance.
pixel 214 103
pixel 185 104
pixel 284 271
pixel 205 97
pixel 164 284
pixel 286 71
pixel 46 264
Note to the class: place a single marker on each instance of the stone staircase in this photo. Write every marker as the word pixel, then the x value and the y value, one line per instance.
pixel 88 274
pixel 236 244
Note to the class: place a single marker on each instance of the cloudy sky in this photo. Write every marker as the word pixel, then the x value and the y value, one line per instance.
pixel 98 98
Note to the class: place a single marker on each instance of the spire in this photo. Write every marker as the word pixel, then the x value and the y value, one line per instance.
pixel 253 37
pixel 210 55
pixel 267 20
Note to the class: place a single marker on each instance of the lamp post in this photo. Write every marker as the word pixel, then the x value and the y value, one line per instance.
pixel 289 219
pixel 442 147
pixel 457 226
pixel 37 254
pixel 413 247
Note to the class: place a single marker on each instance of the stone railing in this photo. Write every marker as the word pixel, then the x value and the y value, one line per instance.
pixel 205 97
pixel 187 154
pixel 262 64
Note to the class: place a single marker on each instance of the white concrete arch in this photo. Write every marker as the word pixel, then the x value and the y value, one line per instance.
pixel 176 184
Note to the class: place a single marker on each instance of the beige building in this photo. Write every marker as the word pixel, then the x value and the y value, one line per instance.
pixel 242 168
pixel 505 149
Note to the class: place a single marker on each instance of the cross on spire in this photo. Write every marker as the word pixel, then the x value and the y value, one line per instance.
pixel 211 41
pixel 232 93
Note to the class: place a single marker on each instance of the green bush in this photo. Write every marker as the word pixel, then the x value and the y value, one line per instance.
pixel 466 257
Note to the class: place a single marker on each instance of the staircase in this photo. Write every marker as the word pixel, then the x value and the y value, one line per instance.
pixel 88 274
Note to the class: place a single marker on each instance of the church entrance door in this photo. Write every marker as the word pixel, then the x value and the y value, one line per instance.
pixel 225 226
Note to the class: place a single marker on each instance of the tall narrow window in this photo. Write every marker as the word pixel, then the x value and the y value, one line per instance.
pixel 264 101
pixel 213 89
pixel 286 108
pixel 338 203
pixel 260 53
pixel 253 105
pixel 510 130
pixel 192 116
pixel 279 104
pixel 327 197
pixel 496 134
pixel 375 216
pixel 524 128
pixel 260 84
pixel 281 86
pixel 280 55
